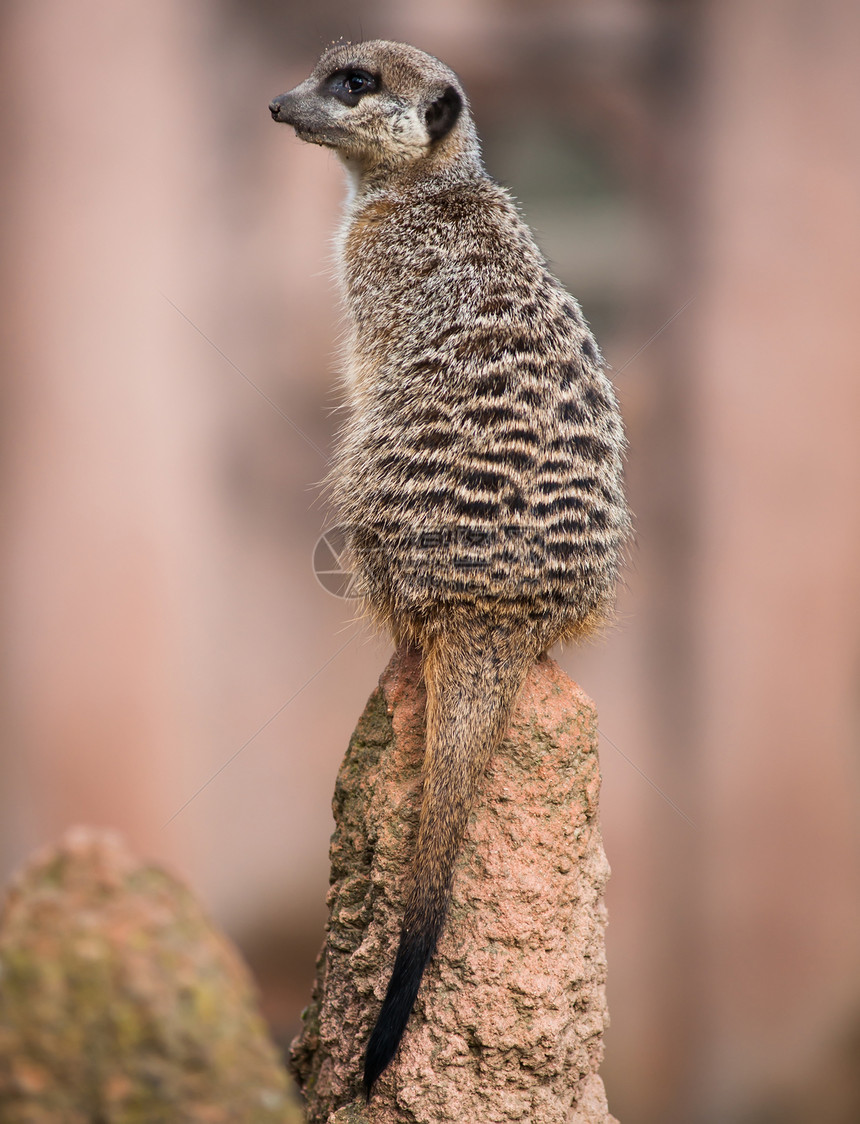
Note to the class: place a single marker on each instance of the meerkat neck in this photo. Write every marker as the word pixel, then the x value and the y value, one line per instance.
pixel 457 159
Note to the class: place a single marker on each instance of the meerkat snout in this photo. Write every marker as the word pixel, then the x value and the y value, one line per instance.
pixel 282 108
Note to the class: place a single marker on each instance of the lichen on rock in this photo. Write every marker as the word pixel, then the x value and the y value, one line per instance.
pixel 121 1004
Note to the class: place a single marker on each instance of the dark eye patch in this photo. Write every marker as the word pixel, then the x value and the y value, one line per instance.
pixel 350 86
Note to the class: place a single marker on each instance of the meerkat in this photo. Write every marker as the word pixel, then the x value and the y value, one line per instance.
pixel 479 472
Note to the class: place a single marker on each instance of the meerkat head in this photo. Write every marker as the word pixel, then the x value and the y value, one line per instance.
pixel 382 106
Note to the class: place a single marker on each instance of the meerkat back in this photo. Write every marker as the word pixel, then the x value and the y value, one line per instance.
pixel 479 472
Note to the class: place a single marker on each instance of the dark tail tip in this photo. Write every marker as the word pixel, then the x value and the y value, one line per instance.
pixel 412 955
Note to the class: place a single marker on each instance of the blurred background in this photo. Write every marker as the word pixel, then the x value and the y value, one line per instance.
pixel 172 668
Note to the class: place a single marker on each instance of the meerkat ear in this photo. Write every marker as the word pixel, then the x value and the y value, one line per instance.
pixel 441 115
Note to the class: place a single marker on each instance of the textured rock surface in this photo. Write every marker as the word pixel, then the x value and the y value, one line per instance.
pixel 120 1004
pixel 509 1021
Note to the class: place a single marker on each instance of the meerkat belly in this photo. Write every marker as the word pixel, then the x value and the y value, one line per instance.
pixel 503 488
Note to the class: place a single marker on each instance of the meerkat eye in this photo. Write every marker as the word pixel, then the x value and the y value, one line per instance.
pixel 359 82
pixel 349 86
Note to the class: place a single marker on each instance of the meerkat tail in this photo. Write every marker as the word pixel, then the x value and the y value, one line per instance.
pixel 472 687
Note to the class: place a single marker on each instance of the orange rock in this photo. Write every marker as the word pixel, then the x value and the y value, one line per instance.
pixel 509 1021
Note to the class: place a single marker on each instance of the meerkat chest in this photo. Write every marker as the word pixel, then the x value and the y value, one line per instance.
pixel 396 288
pixel 373 315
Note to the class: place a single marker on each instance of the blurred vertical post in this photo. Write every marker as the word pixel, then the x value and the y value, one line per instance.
pixel 100 428
pixel 777 426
